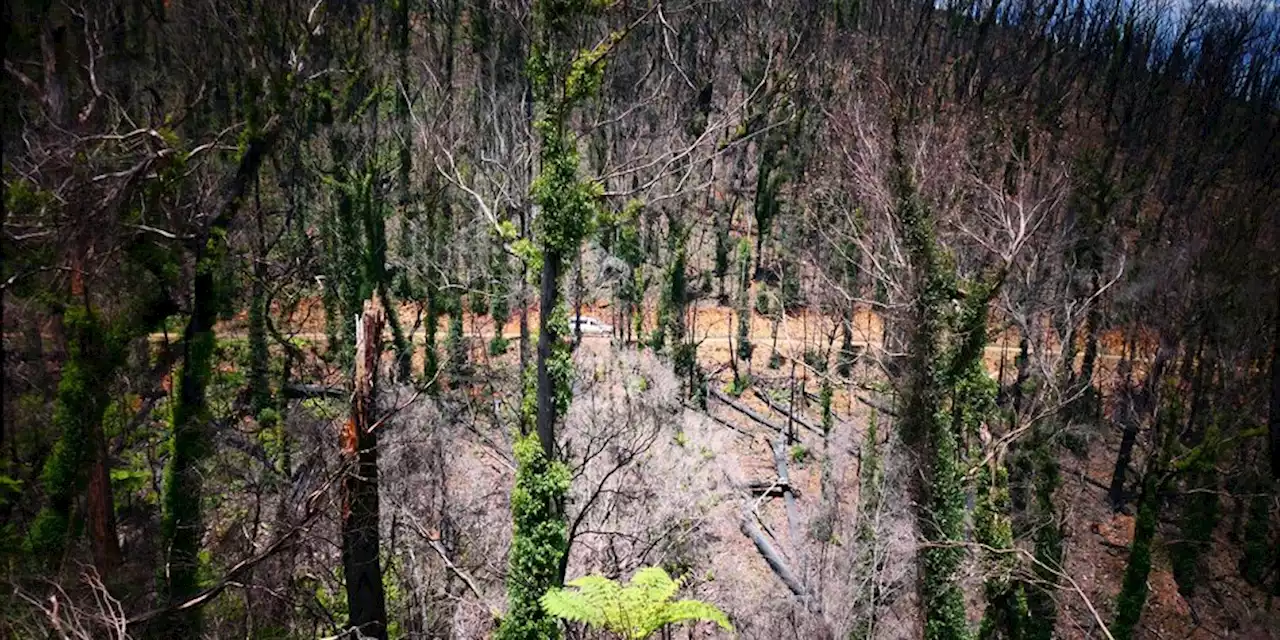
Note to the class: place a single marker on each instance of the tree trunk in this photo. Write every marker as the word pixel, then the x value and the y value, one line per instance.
pixel 1273 421
pixel 550 294
pixel 526 222
pixel 366 604
pixel 1133 593
pixel 524 296
pixel 1093 324
pixel 1137 409
pixel 1130 436
pixel 578 292
pixel 181 523
pixel 1023 364
pixel 259 387
pixel 844 362
pixel 102 516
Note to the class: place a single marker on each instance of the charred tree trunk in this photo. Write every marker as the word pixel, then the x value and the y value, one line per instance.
pixel 366 602
pixel 579 287
pixel 1137 410
pixel 1093 325
pixel 1273 421
pixel 549 296
pixel 1130 436
pixel 524 297
pixel 259 356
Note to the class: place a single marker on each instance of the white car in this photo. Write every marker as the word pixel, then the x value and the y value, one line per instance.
pixel 589 326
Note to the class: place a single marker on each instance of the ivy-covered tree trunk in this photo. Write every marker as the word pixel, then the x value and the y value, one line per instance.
pixel 870 496
pixel 523 292
pixel 1047 534
pixel 366 603
pixel 438 214
pixel 181 524
pixel 973 407
pixel 562 76
pixel 1006 613
pixel 939 486
pixel 548 300
pixel 378 278
pixel 401 29
pixel 456 342
pixel 79 457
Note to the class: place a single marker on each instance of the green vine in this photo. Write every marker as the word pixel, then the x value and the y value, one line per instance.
pixel 82 399
pixel 538 541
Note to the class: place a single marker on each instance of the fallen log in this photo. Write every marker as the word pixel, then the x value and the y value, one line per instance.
pixel 720 421
pixel 784 478
pixel 874 403
pixel 786 411
pixel 774 559
pixel 767 488
pixel 877 405
pixel 744 410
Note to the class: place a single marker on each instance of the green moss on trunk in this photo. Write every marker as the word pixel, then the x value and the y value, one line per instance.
pixel 81 400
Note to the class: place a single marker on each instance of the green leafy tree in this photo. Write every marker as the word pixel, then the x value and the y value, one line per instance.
pixel 634 611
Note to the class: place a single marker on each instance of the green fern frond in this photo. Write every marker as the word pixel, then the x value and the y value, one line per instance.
pixel 635 611
pixel 656 583
pixel 694 610
pixel 571 606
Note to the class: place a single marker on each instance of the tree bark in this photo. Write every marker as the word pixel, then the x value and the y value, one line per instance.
pixel 1137 409
pixel 550 293
pixel 103 539
pixel 181 524
pixel 366 603
pixel 1273 421
pixel 1130 436
pixel 784 479
pixel 775 560
pixel 578 292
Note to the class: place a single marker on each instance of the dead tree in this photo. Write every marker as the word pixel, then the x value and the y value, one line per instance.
pixel 366 602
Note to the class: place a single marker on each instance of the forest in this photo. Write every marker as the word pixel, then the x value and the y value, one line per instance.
pixel 628 319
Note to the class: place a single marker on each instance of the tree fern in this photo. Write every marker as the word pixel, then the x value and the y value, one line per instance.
pixel 635 611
